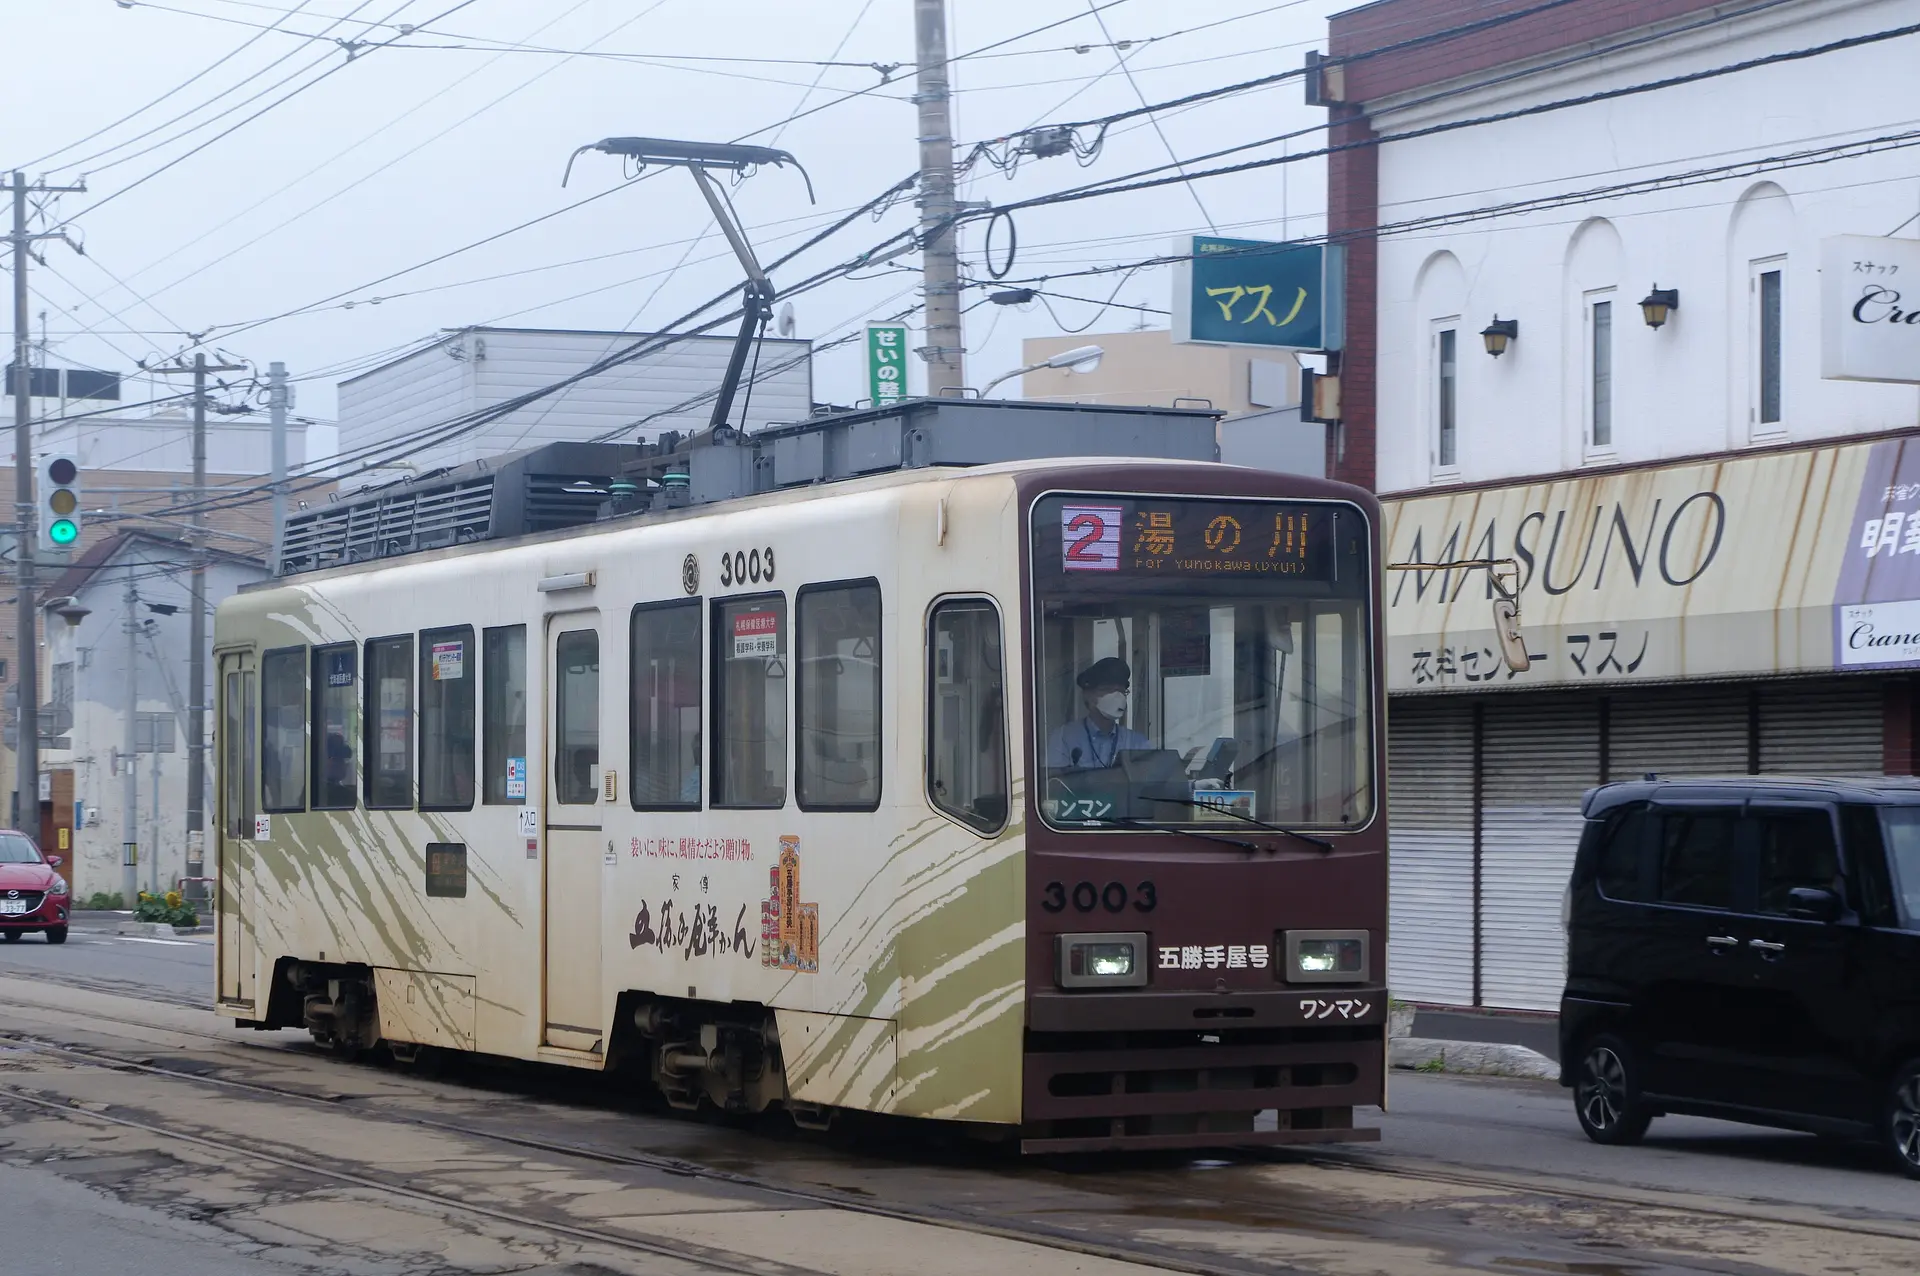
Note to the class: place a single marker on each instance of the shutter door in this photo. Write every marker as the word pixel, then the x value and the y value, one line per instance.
pixel 1430 849
pixel 1831 726
pixel 1678 731
pixel 1541 753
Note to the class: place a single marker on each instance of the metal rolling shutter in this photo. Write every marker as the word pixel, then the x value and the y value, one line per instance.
pixel 1430 849
pixel 1678 731
pixel 1830 726
pixel 1541 753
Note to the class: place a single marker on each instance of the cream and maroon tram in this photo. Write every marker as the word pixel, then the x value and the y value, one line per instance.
pixel 1043 795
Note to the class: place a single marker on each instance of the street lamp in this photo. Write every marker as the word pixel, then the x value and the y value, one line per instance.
pixel 1079 359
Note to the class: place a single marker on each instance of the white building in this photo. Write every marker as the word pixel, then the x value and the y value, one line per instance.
pixel 476 370
pixel 1702 519
pixel 87 670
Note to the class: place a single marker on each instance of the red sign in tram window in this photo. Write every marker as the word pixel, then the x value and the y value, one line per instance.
pixel 756 634
pixel 1090 537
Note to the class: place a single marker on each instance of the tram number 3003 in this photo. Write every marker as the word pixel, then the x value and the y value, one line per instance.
pixel 747 566
pixel 1085 897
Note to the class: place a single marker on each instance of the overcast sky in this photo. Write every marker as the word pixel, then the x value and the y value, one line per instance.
pixel 401 154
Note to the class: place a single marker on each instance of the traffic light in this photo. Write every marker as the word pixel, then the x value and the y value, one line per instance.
pixel 59 503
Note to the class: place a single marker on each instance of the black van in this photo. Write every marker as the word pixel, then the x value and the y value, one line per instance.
pixel 1747 949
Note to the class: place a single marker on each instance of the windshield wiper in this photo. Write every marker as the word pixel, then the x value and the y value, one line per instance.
pixel 1134 822
pixel 1326 847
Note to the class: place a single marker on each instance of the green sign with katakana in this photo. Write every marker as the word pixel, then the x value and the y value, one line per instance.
pixel 1250 292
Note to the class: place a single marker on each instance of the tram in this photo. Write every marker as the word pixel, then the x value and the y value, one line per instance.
pixel 1042 795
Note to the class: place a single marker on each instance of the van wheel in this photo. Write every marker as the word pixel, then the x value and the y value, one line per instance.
pixel 1606 1093
pixel 1900 1123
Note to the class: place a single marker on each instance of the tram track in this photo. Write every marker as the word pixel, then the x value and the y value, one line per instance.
pixel 1184 1198
pixel 1034 1233
pixel 1354 1221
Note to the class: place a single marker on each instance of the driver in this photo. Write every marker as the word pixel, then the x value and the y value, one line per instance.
pixel 1097 739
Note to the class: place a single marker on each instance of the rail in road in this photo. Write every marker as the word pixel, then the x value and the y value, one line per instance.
pixel 285 1120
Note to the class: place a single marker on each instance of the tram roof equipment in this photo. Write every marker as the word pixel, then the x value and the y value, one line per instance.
pixel 571 484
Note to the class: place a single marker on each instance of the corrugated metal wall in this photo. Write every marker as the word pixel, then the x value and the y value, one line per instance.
pixel 1541 753
pixel 1430 845
pixel 1829 727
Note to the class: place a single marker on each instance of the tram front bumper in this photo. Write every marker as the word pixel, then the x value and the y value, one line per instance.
pixel 1192 1069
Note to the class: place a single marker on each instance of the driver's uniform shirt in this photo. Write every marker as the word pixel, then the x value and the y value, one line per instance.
pixel 1096 746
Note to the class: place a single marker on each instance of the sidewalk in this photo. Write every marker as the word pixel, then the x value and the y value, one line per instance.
pixel 1534 1031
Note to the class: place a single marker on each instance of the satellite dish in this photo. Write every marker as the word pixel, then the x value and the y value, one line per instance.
pixel 784 324
pixel 1513 646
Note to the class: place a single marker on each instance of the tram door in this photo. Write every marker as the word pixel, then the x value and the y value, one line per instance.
pixel 574 839
pixel 234 829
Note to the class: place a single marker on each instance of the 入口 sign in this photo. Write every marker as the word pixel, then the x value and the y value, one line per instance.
pixel 1250 292
pixel 1870 308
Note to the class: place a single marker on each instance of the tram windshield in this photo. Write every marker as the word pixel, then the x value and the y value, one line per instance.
pixel 1202 661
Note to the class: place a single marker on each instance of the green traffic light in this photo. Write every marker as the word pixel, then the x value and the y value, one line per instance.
pixel 63 531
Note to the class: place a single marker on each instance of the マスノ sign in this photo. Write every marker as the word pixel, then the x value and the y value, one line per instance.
pixel 1186 537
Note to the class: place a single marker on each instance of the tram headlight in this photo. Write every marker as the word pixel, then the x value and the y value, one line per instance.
pixel 1101 961
pixel 1327 956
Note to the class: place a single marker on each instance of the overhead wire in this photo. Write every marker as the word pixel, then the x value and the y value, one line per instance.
pixel 181 87
pixel 177 160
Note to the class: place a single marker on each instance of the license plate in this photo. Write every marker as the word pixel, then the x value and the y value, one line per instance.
pixel 13 905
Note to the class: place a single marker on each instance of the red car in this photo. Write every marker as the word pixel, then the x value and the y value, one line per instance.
pixel 32 895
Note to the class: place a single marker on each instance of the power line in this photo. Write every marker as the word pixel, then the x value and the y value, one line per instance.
pixel 187 83
pixel 362 180
pixel 85 160
pixel 327 74
pixel 1141 179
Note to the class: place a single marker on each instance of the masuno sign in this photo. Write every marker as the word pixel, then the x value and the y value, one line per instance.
pixel 1787 562
pixel 1250 292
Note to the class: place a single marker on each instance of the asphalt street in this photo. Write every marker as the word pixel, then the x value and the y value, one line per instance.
pixel 1488 1124
pixel 179 969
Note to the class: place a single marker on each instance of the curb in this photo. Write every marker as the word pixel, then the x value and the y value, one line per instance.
pixel 160 930
pixel 1477 1058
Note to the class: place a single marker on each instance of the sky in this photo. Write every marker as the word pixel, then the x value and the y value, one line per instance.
pixel 281 189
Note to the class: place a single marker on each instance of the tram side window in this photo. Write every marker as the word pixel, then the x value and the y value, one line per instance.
pixel 447 676
pixel 504 715
pixel 390 723
pixel 966 714
pixel 839 697
pixel 283 730
pixel 334 676
pixel 664 720
pixel 750 675
pixel 236 754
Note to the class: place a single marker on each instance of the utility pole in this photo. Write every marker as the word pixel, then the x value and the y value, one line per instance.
pixel 278 394
pixel 197 629
pixel 26 793
pixel 130 758
pixel 945 351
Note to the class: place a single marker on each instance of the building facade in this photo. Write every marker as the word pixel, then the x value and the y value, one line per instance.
pixel 1259 390
pixel 136 475
pixel 99 672
pixel 457 399
pixel 1609 264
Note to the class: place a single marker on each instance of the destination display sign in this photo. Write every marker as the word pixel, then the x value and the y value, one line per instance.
pixel 1184 537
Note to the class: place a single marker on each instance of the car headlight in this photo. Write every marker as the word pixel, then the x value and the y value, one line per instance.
pixel 1101 961
pixel 1327 956
pixel 59 886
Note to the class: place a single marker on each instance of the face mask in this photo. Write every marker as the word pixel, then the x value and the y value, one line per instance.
pixel 1113 704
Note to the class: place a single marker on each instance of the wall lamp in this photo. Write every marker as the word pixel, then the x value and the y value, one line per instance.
pixel 1658 304
pixel 1498 333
